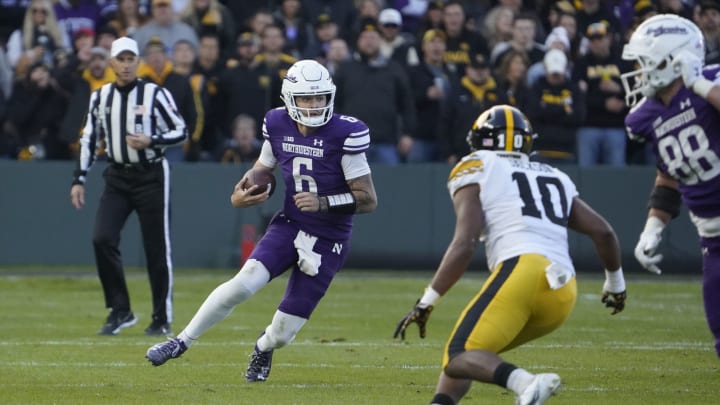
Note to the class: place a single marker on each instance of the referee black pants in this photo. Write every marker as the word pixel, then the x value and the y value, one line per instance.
pixel 144 189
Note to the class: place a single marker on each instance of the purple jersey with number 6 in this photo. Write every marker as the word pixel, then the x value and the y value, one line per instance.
pixel 686 140
pixel 314 163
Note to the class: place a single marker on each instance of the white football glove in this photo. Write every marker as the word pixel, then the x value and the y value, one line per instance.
pixel 647 245
pixel 689 65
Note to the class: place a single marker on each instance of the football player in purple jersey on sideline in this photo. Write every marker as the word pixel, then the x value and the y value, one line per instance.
pixel 321 157
pixel 680 115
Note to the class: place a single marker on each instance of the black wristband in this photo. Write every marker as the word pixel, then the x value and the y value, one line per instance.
pixel 666 199
pixel 79 177
pixel 341 203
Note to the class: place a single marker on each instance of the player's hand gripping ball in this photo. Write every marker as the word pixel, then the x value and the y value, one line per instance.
pixel 263 178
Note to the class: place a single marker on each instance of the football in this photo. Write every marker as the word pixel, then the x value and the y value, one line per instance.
pixel 263 178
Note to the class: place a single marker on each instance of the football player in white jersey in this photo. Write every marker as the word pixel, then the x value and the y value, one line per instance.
pixel 521 211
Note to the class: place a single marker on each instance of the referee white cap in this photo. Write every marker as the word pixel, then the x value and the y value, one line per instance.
pixel 123 44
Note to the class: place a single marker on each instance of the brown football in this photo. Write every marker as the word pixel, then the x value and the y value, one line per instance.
pixel 263 178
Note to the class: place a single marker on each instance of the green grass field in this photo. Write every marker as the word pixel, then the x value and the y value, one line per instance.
pixel 659 351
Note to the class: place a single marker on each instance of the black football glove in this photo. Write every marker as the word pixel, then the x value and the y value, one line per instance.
pixel 417 315
pixel 616 301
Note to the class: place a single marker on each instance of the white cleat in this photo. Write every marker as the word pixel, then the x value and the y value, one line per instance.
pixel 540 389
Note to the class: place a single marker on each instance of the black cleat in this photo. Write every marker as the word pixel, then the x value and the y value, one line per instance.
pixel 158 328
pixel 259 367
pixel 116 321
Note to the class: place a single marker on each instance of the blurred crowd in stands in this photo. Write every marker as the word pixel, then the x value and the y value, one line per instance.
pixel 417 72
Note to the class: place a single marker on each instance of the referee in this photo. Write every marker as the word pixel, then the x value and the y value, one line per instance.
pixel 135 120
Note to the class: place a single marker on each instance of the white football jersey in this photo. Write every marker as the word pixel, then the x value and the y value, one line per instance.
pixel 526 205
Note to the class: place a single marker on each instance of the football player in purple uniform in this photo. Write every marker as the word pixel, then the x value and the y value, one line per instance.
pixel 680 116
pixel 321 158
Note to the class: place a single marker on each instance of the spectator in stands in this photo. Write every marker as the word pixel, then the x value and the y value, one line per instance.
pixel 556 106
pixel 298 31
pixel 209 65
pixel 105 36
pixel 70 66
pixel 128 18
pixel 37 39
pixel 242 11
pixel 183 60
pixel 211 15
pixel 34 113
pixel 243 87
pixel 158 69
pixel 342 12
pixel 413 12
pixel 569 22
pixel 678 7
pixel 95 75
pixel 601 139
pixel 376 90
pixel 244 146
pixel 273 62
pixel 433 85
pixel 461 42
pixel 511 77
pixel 261 19
pixel 478 91
pixel 592 11
pixel 164 25
pixel 523 39
pixel 709 23
pixel 558 39
pixel 395 44
pixel 75 15
pixel 367 10
pixel 325 30
pixel 497 25
pixel 432 18
pixel 338 53
pixel 555 11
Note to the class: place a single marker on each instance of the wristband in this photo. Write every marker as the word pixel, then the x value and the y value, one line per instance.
pixel 702 87
pixel 341 203
pixel 614 281
pixel 665 199
pixel 79 177
pixel 429 298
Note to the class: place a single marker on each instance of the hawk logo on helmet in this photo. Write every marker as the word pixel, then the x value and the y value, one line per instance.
pixel 502 128
pixel 291 78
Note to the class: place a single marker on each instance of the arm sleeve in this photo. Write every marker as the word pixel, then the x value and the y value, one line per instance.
pixel 88 139
pixel 167 111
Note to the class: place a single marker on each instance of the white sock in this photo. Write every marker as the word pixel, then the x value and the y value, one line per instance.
pixel 518 380
pixel 221 302
pixel 281 331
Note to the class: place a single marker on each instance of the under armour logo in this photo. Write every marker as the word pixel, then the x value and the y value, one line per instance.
pixel 317 142
pixel 685 104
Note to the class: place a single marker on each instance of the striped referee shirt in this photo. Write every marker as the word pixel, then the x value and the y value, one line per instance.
pixel 115 111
